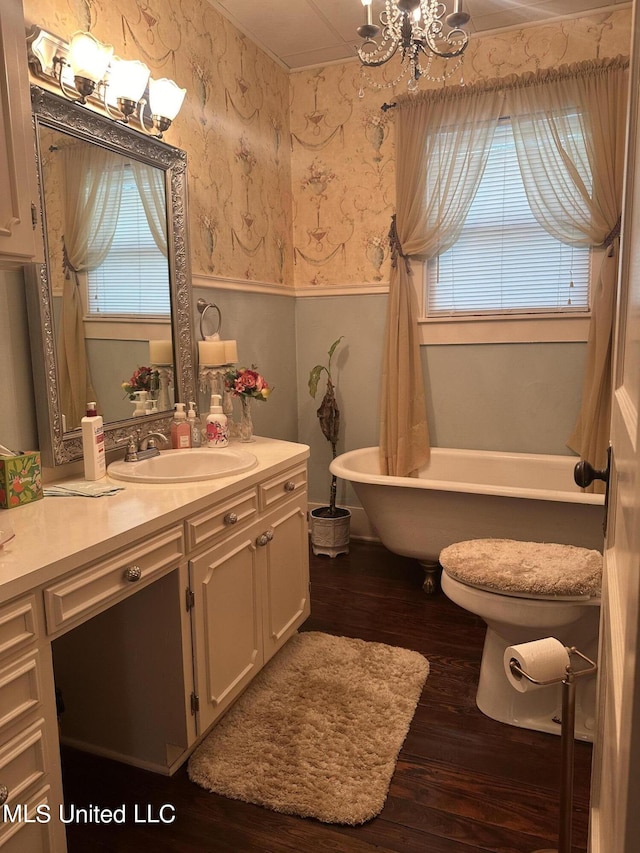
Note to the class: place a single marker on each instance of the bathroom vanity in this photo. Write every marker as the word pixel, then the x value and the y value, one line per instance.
pixel 150 610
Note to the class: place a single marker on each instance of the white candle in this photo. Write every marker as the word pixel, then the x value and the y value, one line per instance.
pixel 230 352
pixel 211 353
pixel 161 352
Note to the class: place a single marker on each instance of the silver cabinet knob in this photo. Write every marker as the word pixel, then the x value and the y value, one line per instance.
pixel 264 538
pixel 133 574
pixel 4 794
pixel 289 486
pixel 230 518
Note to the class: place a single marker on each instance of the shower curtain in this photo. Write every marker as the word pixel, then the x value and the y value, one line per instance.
pixel 443 138
pixel 442 144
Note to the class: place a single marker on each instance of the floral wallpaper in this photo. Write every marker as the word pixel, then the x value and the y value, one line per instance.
pixel 291 176
pixel 342 142
pixel 234 124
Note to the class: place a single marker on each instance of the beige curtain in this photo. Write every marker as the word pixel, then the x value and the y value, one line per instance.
pixel 92 175
pixel 575 193
pixel 151 187
pixel 442 142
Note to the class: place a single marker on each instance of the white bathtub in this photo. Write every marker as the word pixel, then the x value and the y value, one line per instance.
pixel 474 494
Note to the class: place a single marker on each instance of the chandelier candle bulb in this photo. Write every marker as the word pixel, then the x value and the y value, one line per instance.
pixel 211 352
pixel 161 352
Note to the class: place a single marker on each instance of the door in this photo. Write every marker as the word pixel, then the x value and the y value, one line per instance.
pixel 286 575
pixel 615 796
pixel 228 625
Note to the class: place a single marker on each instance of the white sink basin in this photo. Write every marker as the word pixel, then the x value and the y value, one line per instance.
pixel 184 466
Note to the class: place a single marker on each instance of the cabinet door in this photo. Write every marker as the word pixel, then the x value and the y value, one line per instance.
pixel 227 624
pixel 18 239
pixel 285 594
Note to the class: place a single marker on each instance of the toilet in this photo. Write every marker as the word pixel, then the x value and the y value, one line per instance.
pixel 526 591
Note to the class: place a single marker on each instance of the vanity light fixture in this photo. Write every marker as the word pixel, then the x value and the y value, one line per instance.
pixel 125 86
pixel 86 71
pixel 165 100
pixel 88 59
pixel 420 30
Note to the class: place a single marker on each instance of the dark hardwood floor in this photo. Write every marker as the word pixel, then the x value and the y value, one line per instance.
pixel 463 783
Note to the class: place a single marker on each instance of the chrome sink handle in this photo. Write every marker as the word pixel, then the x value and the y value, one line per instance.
pixel 132 447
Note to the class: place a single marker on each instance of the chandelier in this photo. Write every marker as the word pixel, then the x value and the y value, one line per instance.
pixel 420 30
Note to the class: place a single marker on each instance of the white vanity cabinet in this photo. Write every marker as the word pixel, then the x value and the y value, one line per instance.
pixel 249 588
pixel 151 610
pixel 19 238
pixel 30 781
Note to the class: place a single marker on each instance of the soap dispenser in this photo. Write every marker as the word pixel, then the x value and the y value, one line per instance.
pixel 140 403
pixel 217 429
pixel 195 426
pixel 180 429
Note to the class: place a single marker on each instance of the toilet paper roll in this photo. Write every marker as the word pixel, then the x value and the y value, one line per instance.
pixel 543 660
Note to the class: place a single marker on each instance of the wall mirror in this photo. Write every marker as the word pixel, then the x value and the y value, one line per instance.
pixel 114 294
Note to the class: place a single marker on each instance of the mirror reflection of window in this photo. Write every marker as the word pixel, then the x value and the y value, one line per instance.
pixel 133 277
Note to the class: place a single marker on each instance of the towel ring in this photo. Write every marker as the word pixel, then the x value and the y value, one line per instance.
pixel 203 306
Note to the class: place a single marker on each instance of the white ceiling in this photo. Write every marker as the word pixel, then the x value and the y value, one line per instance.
pixel 301 33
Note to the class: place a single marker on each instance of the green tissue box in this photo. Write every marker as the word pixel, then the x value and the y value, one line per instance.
pixel 20 480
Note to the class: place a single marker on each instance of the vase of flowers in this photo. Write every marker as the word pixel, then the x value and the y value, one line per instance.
pixel 247 384
pixel 330 525
pixel 142 379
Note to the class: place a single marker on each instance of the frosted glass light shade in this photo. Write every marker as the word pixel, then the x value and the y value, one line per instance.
pixel 127 79
pixel 165 98
pixel 88 57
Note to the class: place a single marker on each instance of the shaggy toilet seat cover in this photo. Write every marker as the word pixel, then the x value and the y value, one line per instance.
pixel 524 568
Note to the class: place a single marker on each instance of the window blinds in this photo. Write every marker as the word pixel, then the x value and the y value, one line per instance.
pixel 504 261
pixel 134 277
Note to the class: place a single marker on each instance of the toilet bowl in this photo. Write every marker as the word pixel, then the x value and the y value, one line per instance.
pixel 520 615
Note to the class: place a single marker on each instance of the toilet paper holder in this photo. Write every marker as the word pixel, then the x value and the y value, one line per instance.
pixel 570 673
pixel 567 737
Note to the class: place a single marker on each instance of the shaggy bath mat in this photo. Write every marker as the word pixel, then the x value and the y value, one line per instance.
pixel 318 732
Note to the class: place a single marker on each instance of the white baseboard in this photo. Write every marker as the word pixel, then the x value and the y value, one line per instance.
pixel 114 755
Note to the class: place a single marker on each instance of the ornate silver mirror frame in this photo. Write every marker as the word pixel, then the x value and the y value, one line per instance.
pixel 58 447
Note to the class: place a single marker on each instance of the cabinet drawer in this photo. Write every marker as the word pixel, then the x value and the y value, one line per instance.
pixel 89 591
pixel 19 688
pixel 18 624
pixel 224 517
pixel 282 486
pixel 32 826
pixel 23 761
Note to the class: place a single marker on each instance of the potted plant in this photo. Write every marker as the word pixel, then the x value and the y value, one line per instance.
pixel 330 524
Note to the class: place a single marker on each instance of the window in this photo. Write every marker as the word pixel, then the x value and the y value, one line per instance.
pixel 504 262
pixel 134 277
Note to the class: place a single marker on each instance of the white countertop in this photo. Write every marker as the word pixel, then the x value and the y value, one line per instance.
pixel 58 534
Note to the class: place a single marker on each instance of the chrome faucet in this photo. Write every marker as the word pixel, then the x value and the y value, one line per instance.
pixel 148 442
pixel 142 447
